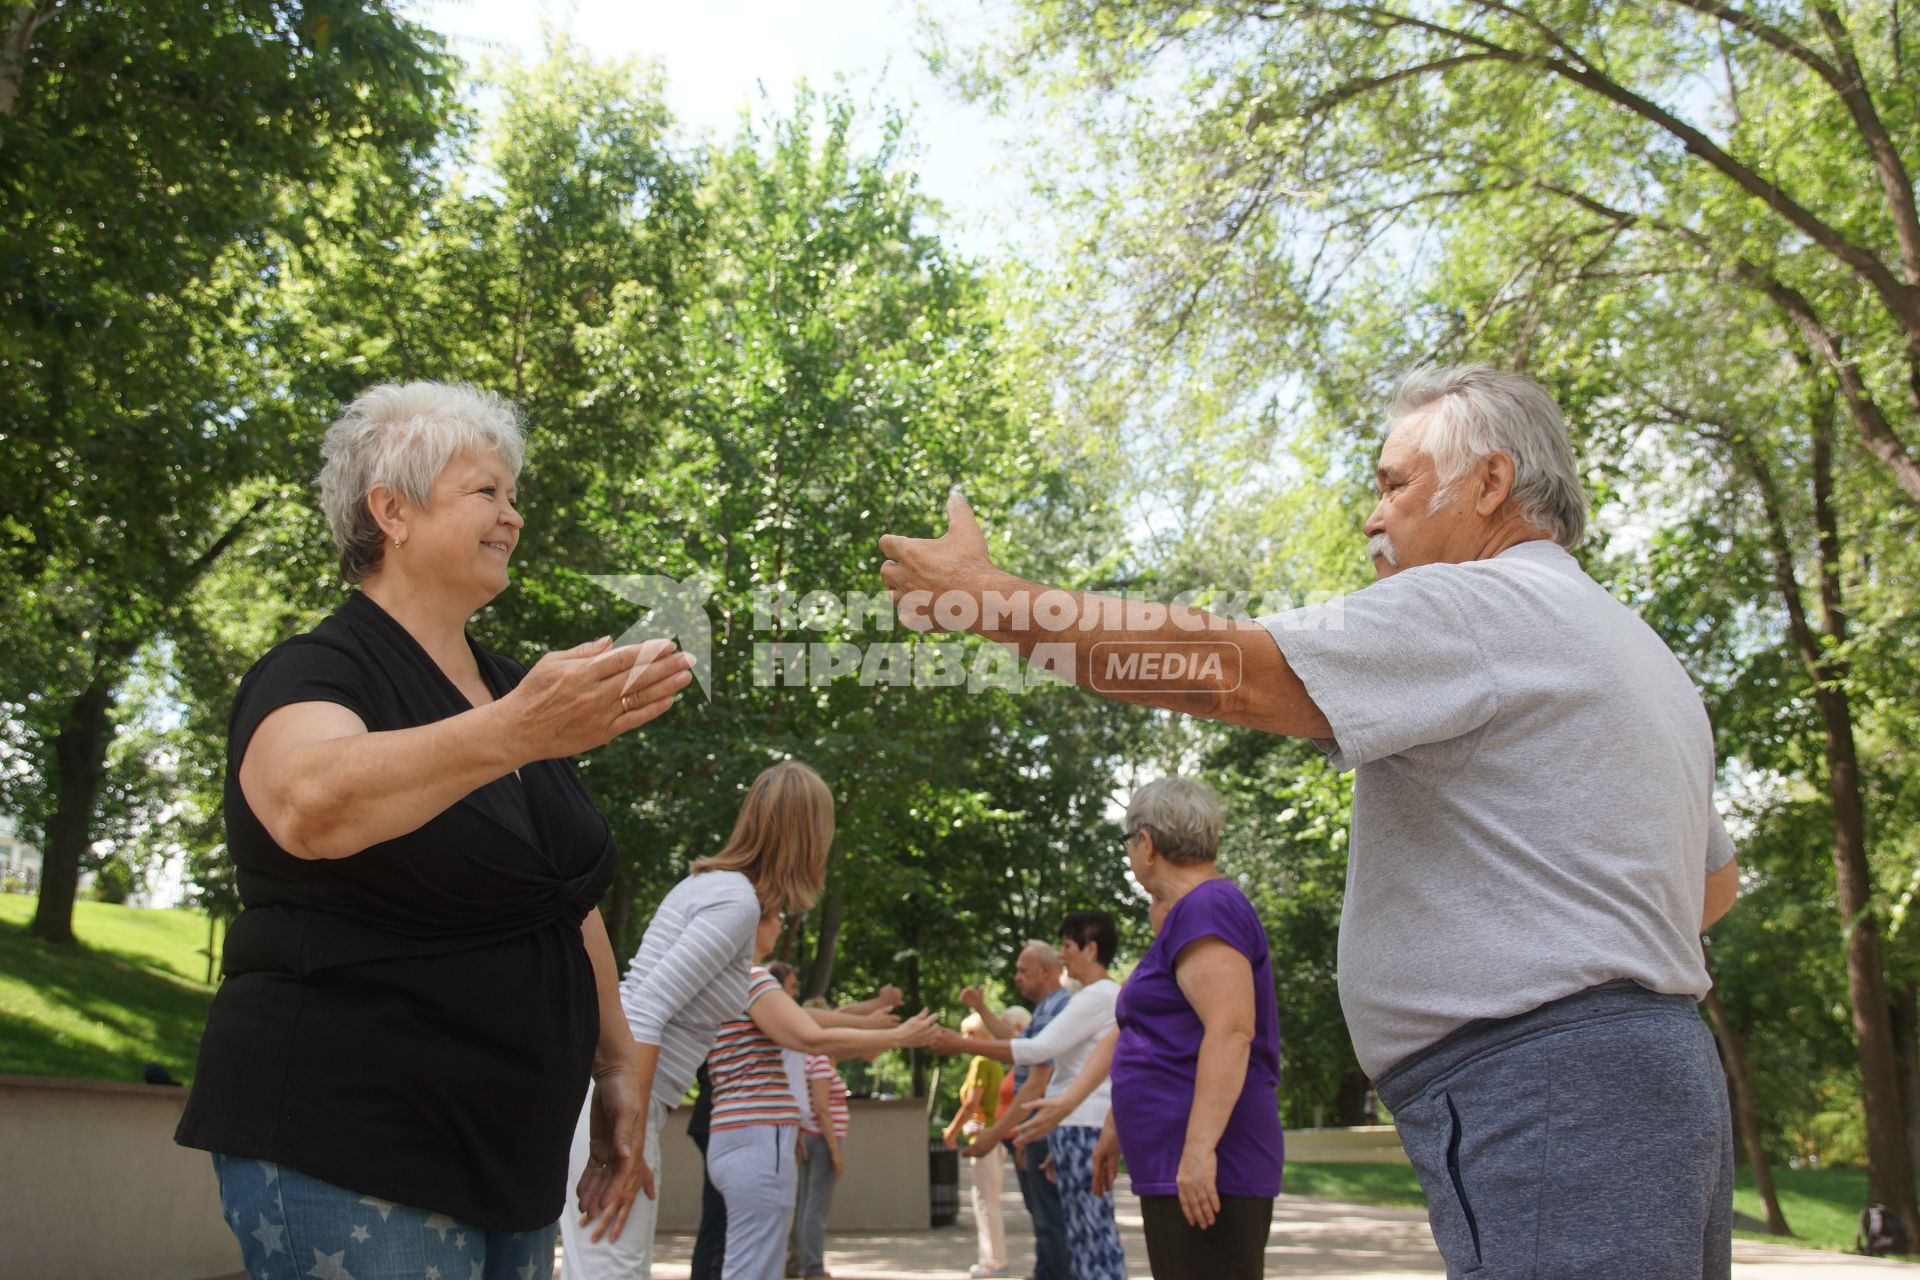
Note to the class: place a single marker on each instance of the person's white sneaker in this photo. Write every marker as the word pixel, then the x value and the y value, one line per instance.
pixel 979 1272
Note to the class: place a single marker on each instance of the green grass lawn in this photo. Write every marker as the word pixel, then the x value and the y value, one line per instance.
pixel 1389 1184
pixel 130 992
pixel 1822 1205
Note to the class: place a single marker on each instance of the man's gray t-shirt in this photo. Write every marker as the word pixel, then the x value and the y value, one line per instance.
pixel 1533 803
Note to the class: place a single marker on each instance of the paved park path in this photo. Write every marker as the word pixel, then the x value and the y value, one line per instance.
pixel 1311 1238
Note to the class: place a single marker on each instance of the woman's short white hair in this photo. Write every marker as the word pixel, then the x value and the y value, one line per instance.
pixel 1017 1017
pixel 1476 411
pixel 403 435
pixel 1185 817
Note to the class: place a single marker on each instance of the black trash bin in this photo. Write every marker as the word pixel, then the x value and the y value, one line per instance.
pixel 943 1183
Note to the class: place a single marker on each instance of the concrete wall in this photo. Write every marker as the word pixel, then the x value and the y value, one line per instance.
pixel 92 1186
pixel 1369 1144
pixel 887 1186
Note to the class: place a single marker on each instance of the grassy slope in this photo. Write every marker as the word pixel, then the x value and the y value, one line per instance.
pixel 130 992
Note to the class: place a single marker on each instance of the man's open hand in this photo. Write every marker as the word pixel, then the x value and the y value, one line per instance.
pixel 919 571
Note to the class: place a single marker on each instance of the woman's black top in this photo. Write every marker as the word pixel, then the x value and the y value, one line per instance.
pixel 415 1022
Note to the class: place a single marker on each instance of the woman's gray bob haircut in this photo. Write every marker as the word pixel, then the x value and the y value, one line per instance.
pixel 403 435
pixel 1183 815
pixel 1476 411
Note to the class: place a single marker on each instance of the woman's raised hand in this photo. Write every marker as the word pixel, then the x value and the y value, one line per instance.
pixel 917 1032
pixel 574 700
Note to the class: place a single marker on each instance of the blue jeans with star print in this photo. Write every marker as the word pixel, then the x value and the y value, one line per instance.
pixel 292 1227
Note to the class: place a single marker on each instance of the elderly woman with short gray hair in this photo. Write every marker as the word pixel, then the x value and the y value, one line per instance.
pixel 419 986
pixel 1195 1057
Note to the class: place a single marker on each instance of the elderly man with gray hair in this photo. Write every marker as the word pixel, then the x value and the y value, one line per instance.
pixel 1535 848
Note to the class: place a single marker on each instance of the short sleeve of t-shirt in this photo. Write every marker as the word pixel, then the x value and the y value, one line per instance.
pixel 1216 910
pixel 1719 843
pixel 300 671
pixel 759 982
pixel 984 1074
pixel 1393 666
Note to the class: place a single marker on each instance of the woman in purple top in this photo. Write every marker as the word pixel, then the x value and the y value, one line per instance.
pixel 1195 1058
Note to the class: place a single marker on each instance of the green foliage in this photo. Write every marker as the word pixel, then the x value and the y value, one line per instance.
pixel 744 362
pixel 159 160
pixel 1693 233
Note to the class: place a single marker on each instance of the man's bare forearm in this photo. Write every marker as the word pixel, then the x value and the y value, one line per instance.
pixel 1123 649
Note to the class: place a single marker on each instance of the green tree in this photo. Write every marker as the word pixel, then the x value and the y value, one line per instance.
pixel 1693 220
pixel 152 152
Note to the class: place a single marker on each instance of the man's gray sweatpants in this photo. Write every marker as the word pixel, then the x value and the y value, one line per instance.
pixel 753 1167
pixel 1587 1139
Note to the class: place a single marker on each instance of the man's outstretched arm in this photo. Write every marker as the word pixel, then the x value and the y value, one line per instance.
pixel 1121 649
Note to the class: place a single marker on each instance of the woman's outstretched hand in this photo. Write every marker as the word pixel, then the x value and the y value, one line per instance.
pixel 577 699
pixel 917 1032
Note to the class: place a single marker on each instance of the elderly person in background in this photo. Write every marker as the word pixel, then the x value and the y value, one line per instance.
pixel 1037 974
pixel 1195 1058
pixel 419 868
pixel 1087 943
pixel 979 1108
pixel 1535 848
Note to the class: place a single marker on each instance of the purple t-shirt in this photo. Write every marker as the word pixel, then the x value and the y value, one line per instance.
pixel 1159 1051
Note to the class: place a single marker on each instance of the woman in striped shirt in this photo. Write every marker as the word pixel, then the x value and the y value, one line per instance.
pixel 750 1145
pixel 689 976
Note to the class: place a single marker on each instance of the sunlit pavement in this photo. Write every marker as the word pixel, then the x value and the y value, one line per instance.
pixel 1310 1238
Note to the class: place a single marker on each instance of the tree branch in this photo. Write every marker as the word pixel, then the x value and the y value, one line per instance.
pixel 1877 433
pixel 1901 299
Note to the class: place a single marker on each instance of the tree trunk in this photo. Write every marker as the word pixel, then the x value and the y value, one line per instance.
pixel 820 974
pixel 917 1059
pixel 80 751
pixel 1350 1104
pixel 15 41
pixel 80 747
pixel 1889 1162
pixel 1746 1109
pixel 1906 1046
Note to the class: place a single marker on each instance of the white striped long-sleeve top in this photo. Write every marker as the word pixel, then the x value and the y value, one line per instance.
pixel 690 974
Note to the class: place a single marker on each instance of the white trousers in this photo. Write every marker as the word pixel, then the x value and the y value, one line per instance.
pixel 631 1256
pixel 988 1222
